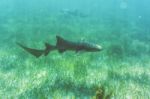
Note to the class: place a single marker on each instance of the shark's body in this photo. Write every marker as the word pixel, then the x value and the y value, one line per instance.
pixel 63 45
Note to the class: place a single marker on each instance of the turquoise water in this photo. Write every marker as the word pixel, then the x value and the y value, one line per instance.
pixel 120 71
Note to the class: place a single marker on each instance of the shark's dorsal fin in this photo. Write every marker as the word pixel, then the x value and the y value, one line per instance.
pixel 60 40
pixel 49 48
pixel 61 43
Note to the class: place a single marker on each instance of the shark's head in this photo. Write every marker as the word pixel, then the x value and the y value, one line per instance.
pixel 97 48
pixel 91 47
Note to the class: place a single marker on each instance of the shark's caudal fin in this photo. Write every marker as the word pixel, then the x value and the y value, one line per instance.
pixel 37 53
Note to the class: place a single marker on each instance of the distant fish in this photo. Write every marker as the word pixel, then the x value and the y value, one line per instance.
pixel 63 45
pixel 75 13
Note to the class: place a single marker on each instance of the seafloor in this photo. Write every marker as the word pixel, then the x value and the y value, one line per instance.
pixel 120 71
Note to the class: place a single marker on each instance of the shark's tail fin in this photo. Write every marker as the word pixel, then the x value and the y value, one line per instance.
pixel 37 53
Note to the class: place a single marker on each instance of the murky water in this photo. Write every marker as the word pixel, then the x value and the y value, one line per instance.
pixel 74 68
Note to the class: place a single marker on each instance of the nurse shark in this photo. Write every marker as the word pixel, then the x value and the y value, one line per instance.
pixel 63 45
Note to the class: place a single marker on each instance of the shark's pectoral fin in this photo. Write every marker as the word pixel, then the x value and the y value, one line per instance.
pixel 61 50
pixel 80 51
pixel 77 51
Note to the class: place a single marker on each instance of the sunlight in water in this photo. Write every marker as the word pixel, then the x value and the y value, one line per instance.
pixel 123 5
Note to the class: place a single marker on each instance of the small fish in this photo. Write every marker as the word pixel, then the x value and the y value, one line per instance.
pixel 63 45
pixel 74 13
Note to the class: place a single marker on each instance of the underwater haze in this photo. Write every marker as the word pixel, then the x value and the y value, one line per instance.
pixel 120 71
